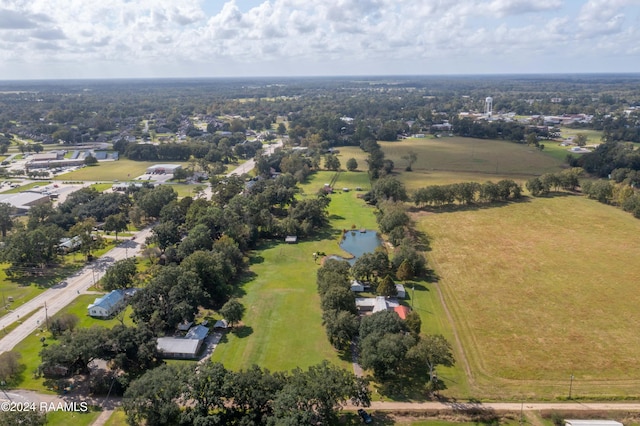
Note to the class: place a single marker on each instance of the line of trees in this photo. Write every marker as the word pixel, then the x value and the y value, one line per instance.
pixel 467 193
pixel 566 180
pixel 622 195
pixel 210 394
pixel 338 303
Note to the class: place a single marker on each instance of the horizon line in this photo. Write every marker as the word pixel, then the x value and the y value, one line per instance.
pixel 337 76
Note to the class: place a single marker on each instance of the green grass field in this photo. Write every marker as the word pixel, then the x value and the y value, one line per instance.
pixel 283 324
pixel 470 155
pixel 541 290
pixel 62 418
pixel 33 185
pixel 474 159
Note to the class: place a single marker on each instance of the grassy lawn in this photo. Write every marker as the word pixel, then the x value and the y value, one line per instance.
pixel 29 349
pixel 447 157
pixel 541 290
pixel 26 187
pixel 283 325
pixel 62 418
pixel 118 418
pixel 555 150
pixel 101 187
pixel 187 190
pixel 23 289
pixel 122 170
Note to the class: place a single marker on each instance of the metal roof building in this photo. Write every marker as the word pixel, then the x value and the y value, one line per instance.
pixel 23 201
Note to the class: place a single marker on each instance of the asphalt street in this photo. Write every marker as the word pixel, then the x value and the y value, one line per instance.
pixel 54 299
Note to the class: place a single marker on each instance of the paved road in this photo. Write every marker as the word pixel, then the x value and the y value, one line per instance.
pixel 60 296
pixel 109 404
pixel 501 406
pixel 244 167
pixel 249 165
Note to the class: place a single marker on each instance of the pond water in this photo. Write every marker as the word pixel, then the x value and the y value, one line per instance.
pixel 358 243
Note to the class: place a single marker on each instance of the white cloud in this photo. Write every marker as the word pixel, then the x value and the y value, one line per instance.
pixel 516 7
pixel 332 36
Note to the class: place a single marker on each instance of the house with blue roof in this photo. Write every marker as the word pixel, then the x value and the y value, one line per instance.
pixel 107 305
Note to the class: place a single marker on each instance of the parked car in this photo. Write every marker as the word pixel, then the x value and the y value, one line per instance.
pixel 365 416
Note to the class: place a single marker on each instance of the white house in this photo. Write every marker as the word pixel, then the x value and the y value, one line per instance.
pixel 107 305
pixel 401 292
pixel 186 347
pixel 375 304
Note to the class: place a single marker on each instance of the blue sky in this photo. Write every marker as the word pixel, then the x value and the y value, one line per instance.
pixel 218 38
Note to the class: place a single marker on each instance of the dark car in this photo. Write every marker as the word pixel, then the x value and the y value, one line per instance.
pixel 365 416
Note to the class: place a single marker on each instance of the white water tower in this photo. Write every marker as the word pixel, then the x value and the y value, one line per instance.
pixel 488 106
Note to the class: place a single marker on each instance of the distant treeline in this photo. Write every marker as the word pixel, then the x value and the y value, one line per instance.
pixel 216 149
pixel 607 157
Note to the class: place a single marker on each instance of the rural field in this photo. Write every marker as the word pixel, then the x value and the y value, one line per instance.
pixel 538 290
pixel 283 325
pixel 455 159
pixel 541 290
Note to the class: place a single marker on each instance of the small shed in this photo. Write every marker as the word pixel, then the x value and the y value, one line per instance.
pixel 356 286
pixel 221 324
pixel 401 292
pixel 291 239
pixel 199 332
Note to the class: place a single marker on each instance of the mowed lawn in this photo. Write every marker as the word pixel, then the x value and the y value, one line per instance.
pixel 283 322
pixel 542 290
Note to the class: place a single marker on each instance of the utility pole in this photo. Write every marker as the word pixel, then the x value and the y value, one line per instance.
pixel 46 314
pixel 570 385
pixel 413 295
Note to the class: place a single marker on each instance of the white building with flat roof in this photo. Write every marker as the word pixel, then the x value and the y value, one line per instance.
pixel 161 169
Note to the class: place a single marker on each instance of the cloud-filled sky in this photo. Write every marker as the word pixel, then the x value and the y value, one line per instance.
pixel 220 38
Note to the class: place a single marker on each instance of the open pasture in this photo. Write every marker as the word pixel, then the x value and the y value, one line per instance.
pixel 471 155
pixel 541 290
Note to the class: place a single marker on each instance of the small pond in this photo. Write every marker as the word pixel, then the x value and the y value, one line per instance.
pixel 358 243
